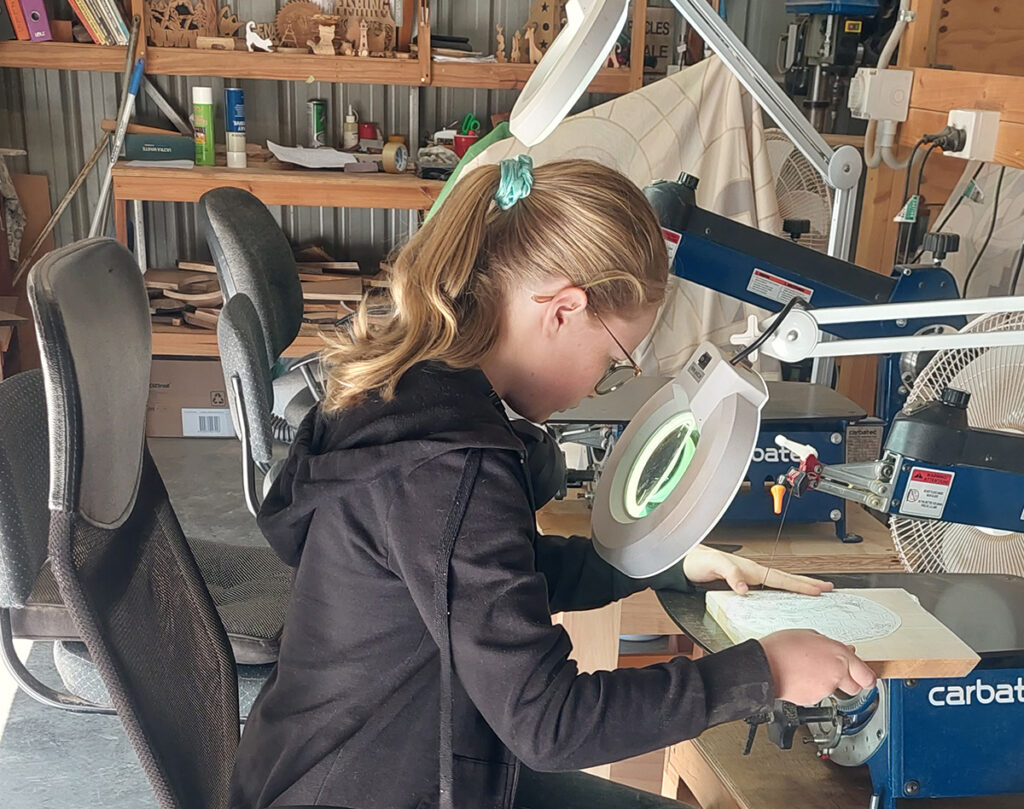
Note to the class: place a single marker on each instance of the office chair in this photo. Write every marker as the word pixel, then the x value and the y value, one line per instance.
pixel 131 583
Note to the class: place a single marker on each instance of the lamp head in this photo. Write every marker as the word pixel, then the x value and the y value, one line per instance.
pixel 567 68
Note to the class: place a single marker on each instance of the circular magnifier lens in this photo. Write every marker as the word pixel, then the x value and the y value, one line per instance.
pixel 615 379
pixel 661 464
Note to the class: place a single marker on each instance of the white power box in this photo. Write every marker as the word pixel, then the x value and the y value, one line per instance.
pixel 982 128
pixel 882 95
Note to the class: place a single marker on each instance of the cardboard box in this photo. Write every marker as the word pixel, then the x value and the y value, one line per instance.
pixel 188 399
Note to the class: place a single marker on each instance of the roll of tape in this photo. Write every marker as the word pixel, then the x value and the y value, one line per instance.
pixel 395 158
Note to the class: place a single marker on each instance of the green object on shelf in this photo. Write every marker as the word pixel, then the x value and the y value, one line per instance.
pixel 202 124
pixel 500 132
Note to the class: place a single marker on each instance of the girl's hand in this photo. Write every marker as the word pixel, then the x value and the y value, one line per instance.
pixel 702 565
pixel 807 667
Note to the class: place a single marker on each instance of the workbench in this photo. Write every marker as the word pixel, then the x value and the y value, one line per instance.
pixel 712 772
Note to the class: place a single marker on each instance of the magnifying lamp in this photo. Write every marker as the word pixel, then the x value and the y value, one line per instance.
pixel 678 465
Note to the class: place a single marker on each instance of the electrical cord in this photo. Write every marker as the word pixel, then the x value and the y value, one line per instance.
pixel 988 237
pixel 772 328
pixel 917 193
pixel 946 218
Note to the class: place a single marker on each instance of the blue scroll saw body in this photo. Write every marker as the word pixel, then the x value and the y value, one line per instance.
pixel 717 253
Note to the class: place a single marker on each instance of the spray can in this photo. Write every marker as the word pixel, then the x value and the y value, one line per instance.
pixel 202 124
pixel 350 134
pixel 316 109
pixel 234 127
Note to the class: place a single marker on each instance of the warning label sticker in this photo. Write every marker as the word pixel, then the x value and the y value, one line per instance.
pixel 777 288
pixel 926 492
pixel 672 239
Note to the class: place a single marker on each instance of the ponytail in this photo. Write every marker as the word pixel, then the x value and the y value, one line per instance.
pixel 581 220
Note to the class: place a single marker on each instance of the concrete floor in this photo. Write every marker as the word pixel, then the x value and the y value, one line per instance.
pixel 51 759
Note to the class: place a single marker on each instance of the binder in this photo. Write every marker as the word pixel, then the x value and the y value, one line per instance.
pixel 6 25
pixel 17 19
pixel 36 21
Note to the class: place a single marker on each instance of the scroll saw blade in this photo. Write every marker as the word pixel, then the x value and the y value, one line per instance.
pixel 778 536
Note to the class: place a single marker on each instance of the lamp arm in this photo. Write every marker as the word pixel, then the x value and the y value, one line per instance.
pixel 799 334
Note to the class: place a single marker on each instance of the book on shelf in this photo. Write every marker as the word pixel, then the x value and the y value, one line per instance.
pixel 103 20
pixel 14 15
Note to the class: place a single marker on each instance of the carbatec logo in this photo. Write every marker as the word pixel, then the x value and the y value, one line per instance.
pixel 773 455
pixel 978 693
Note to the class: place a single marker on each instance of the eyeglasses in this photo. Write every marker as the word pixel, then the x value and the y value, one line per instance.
pixel 618 373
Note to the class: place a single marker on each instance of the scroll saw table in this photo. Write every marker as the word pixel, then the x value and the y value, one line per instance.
pixel 711 771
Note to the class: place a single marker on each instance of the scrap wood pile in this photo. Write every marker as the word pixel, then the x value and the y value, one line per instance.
pixel 189 296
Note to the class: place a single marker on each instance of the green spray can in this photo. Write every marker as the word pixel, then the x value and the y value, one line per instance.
pixel 202 124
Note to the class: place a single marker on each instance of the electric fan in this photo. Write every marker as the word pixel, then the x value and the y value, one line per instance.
pixel 995 379
pixel 802 192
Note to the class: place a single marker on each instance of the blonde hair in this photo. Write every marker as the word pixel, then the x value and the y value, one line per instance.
pixel 582 221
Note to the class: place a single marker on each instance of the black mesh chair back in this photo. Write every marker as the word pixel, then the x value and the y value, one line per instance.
pixel 252 256
pixel 122 564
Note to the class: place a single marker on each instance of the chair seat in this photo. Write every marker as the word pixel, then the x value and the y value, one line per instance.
pixel 80 677
pixel 250 587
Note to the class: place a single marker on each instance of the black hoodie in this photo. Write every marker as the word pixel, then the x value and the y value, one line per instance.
pixel 351 715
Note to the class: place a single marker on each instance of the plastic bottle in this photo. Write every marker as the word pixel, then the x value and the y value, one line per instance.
pixel 202 124
pixel 350 132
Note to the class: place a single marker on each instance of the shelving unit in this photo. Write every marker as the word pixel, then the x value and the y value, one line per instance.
pixel 412 72
pixel 275 184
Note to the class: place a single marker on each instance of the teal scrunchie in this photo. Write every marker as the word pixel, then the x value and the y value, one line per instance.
pixel 516 181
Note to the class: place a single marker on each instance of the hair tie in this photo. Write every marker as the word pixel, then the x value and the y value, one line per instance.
pixel 516 181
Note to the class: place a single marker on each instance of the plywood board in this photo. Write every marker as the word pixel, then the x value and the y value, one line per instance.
pixel 178 280
pixel 921 647
pixel 338 289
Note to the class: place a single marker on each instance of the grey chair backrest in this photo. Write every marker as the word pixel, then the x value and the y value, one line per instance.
pixel 250 387
pixel 24 473
pixel 118 553
pixel 252 256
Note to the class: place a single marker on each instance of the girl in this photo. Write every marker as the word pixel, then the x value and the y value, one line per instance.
pixel 419 665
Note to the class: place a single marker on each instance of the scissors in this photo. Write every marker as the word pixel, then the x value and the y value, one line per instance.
pixel 470 124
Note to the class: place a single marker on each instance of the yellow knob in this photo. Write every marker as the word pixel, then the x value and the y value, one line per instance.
pixel 778 492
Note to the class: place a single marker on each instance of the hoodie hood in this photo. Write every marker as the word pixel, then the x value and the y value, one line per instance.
pixel 435 410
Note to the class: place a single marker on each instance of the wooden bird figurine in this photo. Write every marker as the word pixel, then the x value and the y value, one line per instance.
pixel 253 41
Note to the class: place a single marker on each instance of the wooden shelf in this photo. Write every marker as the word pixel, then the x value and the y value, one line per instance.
pixel 291 67
pixel 282 66
pixel 498 76
pixel 62 56
pixel 278 186
pixel 178 341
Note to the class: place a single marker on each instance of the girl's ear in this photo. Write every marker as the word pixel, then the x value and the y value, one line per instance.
pixel 566 307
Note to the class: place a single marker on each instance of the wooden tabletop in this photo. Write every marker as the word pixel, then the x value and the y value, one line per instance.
pixel 276 185
pixel 718 775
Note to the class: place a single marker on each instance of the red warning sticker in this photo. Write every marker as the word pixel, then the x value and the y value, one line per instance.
pixel 776 288
pixel 932 476
pixel 926 492
pixel 672 239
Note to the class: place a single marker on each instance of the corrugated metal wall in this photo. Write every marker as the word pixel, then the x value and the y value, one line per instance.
pixel 55 116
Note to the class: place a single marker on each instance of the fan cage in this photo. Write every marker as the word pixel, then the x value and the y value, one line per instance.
pixel 995 379
pixel 802 192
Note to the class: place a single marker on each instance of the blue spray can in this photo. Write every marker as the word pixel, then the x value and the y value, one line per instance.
pixel 234 127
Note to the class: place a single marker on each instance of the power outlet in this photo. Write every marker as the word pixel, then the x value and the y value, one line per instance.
pixel 982 129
